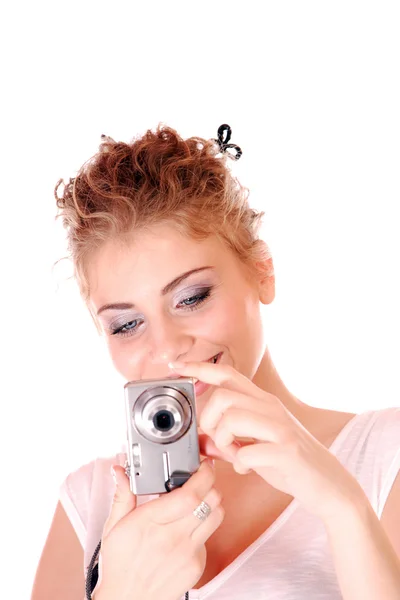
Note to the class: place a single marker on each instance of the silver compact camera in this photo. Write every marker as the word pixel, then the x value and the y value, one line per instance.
pixel 162 438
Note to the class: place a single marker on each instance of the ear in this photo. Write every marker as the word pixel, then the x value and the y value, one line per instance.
pixel 266 278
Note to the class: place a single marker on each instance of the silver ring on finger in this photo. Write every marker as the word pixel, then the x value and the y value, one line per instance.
pixel 202 511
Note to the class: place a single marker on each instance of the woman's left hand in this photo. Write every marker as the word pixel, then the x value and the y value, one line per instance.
pixel 283 452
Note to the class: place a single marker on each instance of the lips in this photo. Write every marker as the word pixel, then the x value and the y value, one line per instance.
pixel 214 359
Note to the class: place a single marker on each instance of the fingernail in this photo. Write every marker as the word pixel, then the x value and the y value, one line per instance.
pixel 240 468
pixel 176 365
pixel 211 462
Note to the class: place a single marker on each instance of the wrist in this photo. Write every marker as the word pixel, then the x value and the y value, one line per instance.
pixel 357 508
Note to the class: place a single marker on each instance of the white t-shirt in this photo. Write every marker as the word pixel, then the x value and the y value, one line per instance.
pixel 291 559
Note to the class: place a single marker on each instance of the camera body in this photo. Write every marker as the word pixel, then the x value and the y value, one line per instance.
pixel 162 438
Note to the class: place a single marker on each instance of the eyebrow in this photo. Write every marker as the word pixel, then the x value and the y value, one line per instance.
pixel 166 290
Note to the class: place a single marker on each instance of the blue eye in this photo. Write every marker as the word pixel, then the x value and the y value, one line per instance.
pixel 125 329
pixel 191 303
pixel 196 300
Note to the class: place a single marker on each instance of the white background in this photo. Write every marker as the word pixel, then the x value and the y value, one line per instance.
pixel 311 91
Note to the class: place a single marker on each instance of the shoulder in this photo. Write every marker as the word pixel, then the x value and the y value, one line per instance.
pixel 86 493
pixel 390 483
pixel 383 436
pixel 368 439
pixel 90 470
pixel 389 417
pixel 390 518
pixel 95 473
pixel 379 428
pixel 386 430
pixel 378 464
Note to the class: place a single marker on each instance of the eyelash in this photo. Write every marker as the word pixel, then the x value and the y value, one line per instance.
pixel 200 298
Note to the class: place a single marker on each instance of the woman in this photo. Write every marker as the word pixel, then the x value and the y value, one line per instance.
pixel 300 501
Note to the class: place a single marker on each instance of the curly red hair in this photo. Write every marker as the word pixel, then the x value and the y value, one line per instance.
pixel 157 178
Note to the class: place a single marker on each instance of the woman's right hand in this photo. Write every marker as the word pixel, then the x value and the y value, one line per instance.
pixel 157 550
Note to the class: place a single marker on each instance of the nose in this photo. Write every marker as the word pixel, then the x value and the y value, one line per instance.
pixel 168 342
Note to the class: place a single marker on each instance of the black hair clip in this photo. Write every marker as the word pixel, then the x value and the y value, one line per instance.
pixel 223 144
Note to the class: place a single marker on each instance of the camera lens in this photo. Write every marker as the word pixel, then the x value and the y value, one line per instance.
pixel 162 413
pixel 163 420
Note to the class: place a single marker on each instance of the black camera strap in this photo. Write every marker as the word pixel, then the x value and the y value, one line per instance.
pixel 92 573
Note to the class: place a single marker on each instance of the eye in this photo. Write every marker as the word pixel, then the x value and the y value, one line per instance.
pixel 194 301
pixel 126 329
pixel 130 327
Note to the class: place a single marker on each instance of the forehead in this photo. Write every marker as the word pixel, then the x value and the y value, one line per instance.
pixel 148 261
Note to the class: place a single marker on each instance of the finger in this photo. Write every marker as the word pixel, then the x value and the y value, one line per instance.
pixel 189 523
pixel 222 400
pixel 182 501
pixel 208 448
pixel 239 468
pixel 123 501
pixel 260 455
pixel 220 375
pixel 207 528
pixel 239 422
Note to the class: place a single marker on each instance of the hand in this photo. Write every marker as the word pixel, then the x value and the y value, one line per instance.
pixel 157 550
pixel 282 451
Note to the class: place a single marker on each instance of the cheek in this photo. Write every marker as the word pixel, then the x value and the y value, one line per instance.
pixel 239 325
pixel 236 318
pixel 126 361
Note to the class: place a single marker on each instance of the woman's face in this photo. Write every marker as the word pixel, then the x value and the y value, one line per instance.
pixel 166 297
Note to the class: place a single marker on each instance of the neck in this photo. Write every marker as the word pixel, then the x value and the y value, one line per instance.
pixel 267 378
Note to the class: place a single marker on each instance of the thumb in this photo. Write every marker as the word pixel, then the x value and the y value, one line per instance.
pixel 123 501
